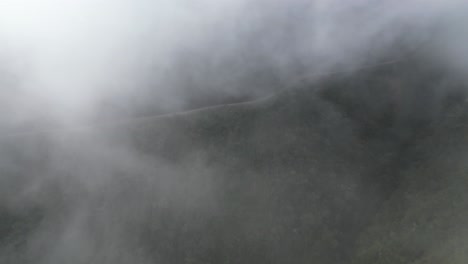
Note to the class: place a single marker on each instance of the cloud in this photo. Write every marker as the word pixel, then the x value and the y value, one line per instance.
pixel 84 57
pixel 65 62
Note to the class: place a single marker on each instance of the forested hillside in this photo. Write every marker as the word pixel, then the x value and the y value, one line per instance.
pixel 366 166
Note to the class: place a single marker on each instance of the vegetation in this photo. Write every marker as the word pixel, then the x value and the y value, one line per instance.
pixel 361 168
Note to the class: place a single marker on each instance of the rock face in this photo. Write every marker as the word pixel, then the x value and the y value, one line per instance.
pixel 362 167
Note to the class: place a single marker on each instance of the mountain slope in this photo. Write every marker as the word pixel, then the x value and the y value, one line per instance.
pixel 424 221
pixel 356 168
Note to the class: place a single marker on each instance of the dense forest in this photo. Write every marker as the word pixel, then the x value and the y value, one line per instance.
pixel 365 166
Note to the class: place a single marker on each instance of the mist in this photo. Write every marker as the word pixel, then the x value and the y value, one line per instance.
pixel 65 61
pixel 81 81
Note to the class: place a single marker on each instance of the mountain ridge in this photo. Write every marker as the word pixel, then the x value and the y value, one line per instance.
pixel 318 173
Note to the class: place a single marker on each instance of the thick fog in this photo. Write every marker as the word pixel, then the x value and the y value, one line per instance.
pixel 65 61
pixel 78 69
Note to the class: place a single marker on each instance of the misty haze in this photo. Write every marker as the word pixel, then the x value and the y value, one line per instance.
pixel 233 131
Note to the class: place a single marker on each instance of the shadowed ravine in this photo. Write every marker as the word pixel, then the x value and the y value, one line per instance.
pixel 359 167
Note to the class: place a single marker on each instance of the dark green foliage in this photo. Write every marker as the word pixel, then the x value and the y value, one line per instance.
pixel 360 168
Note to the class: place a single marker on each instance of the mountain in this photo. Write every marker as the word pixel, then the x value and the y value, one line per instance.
pixel 365 166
